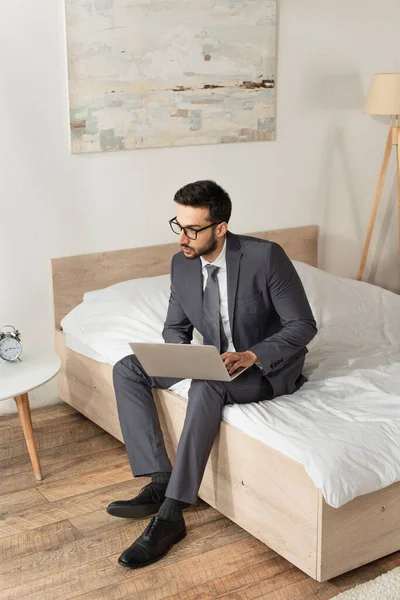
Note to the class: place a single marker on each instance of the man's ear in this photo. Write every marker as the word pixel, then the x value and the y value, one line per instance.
pixel 222 228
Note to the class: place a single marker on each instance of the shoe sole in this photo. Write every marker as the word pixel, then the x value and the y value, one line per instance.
pixel 133 512
pixel 179 538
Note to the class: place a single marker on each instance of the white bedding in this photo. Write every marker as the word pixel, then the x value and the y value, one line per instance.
pixel 343 425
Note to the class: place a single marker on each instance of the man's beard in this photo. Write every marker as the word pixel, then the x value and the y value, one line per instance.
pixel 212 245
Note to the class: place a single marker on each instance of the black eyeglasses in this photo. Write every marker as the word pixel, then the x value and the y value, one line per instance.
pixel 188 231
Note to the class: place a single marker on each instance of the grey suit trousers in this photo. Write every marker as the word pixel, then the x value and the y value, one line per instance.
pixel 141 429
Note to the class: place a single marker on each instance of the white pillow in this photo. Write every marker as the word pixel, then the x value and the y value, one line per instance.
pixel 340 304
pixel 108 319
pixel 354 319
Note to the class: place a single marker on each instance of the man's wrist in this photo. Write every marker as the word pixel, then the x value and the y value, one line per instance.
pixel 253 356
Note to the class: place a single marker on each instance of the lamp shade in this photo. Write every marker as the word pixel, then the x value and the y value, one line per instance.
pixel 384 95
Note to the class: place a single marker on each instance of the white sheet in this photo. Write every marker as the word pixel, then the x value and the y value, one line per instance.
pixel 343 425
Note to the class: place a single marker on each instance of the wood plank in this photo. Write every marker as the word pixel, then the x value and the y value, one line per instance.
pixel 81 504
pixel 60 453
pixel 56 476
pixel 17 501
pixel 48 562
pixel 14 434
pixel 200 539
pixel 392 561
pixel 43 413
pixel 99 520
pixel 172 577
pixel 73 428
pixel 89 481
pixel 309 588
pixel 100 545
pixel 42 538
pixel 272 573
pixel 289 583
pixel 67 584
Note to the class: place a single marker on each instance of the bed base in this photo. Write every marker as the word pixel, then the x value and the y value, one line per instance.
pixel 264 492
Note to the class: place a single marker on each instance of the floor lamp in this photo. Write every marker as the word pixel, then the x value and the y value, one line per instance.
pixel 384 99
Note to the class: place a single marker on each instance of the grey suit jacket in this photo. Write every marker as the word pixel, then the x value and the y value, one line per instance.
pixel 268 309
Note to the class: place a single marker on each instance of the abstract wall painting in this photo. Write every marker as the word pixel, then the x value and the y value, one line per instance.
pixel 167 73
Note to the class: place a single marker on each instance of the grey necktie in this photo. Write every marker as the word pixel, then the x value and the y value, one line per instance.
pixel 213 331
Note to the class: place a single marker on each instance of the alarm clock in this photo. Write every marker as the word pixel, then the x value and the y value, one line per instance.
pixel 10 344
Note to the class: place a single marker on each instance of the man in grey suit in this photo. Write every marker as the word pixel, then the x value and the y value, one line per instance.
pixel 244 296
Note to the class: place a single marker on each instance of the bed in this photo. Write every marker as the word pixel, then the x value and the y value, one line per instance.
pixel 303 501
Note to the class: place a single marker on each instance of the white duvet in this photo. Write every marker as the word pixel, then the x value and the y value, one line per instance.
pixel 343 425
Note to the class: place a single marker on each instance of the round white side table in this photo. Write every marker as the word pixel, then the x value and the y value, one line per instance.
pixel 17 379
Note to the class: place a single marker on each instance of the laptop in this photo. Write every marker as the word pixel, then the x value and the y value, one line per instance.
pixel 183 361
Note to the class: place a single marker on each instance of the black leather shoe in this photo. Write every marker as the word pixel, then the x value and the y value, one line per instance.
pixel 146 503
pixel 154 543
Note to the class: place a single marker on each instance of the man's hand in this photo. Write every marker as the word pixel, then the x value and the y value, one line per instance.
pixel 235 360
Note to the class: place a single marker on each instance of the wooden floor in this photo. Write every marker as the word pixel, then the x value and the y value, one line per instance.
pixel 58 542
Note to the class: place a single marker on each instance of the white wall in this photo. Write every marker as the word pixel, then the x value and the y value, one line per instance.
pixel 322 169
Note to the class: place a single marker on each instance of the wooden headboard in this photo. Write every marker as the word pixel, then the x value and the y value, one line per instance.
pixel 75 275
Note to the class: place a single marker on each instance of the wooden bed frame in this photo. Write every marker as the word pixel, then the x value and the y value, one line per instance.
pixel 260 489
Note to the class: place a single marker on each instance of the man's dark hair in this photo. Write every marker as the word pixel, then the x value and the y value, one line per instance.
pixel 206 194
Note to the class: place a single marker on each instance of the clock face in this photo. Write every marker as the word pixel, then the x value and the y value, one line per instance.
pixel 10 348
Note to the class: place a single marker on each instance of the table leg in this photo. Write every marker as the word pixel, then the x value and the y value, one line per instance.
pixel 24 411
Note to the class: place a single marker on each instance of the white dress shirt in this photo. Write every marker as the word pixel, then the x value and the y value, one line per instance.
pixel 223 292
